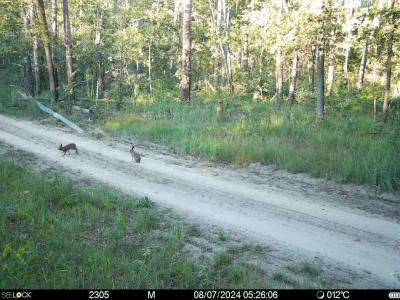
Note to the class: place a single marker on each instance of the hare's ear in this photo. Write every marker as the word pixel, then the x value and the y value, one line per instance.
pixel 61 145
pixel 132 147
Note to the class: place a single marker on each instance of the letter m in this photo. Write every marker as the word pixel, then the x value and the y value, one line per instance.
pixel 151 295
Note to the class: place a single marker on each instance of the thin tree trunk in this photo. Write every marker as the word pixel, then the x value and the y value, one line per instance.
pixel 68 48
pixel 227 51
pixel 375 68
pixel 186 53
pixel 330 78
pixel 293 78
pixel 320 74
pixel 363 64
pixel 245 59
pixel 245 56
pixel 36 68
pixel 154 9
pixel 101 75
pixel 332 61
pixel 47 50
pixel 54 28
pixel 35 50
pixel 389 62
pixel 149 67
pixel 314 57
pixel 278 55
pixel 177 9
pixel 29 81
pixel 101 82
pixel 364 58
pixel 216 20
pixel 346 64
pixel 261 61
pixel 30 85
pixel 347 47
pixel 279 74
pixel 220 8
pixel 222 44
pixel 54 34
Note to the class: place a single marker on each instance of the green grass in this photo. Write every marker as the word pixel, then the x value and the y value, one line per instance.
pixel 347 146
pixel 55 235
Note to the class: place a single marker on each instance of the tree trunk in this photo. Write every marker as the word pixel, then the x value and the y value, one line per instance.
pixel 347 47
pixel 279 74
pixel 293 78
pixel 101 82
pixel 332 61
pixel 222 21
pixel 364 58
pixel 227 51
pixel 220 8
pixel 68 48
pixel 346 64
pixel 35 51
pixel 177 9
pixel 54 34
pixel 320 74
pixel 47 50
pixel 313 54
pixel 278 55
pixel 245 56
pixel 186 52
pixel 375 67
pixel 101 76
pixel 216 19
pixel 54 29
pixel 30 84
pixel 389 61
pixel 330 78
pixel 29 81
pixel 149 58
pixel 154 10
pixel 260 70
pixel 363 64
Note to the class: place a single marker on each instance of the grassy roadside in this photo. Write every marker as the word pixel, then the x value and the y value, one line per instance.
pixel 347 146
pixel 54 235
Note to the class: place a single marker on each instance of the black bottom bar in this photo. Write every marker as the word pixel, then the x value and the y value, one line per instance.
pixel 201 294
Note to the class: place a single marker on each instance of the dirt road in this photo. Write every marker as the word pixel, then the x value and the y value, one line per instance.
pixel 362 235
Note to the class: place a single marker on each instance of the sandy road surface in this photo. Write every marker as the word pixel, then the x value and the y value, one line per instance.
pixel 368 243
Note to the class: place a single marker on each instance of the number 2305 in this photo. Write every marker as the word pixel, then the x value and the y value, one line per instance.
pixel 99 294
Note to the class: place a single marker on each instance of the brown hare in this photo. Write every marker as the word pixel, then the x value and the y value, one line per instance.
pixel 135 155
pixel 68 147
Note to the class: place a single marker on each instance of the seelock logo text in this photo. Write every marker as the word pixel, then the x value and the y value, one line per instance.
pixel 16 295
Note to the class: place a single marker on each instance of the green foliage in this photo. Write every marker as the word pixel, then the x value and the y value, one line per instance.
pixel 146 221
pixel 55 235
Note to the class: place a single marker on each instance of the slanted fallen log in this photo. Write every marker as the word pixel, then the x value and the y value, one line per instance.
pixel 59 117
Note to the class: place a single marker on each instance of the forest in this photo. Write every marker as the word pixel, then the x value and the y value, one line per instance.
pixel 222 144
pixel 310 86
